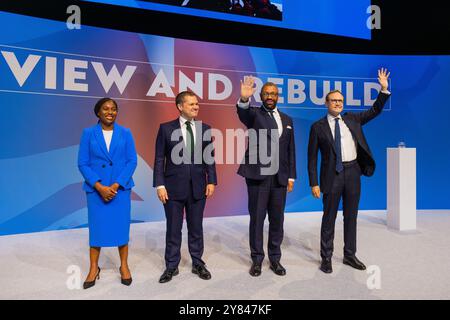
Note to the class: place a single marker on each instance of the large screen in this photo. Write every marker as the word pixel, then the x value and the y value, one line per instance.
pixel 51 77
pixel 342 18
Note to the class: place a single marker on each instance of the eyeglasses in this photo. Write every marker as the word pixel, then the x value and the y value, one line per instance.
pixel 336 101
pixel 268 94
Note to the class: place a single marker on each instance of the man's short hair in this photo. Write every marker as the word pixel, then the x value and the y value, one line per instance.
pixel 268 84
pixel 331 92
pixel 180 97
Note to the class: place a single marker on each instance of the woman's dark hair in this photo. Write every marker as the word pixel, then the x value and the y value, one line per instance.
pixel 100 102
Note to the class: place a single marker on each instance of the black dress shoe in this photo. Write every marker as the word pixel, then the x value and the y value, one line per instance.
pixel 326 266
pixel 125 282
pixel 354 263
pixel 201 271
pixel 167 275
pixel 277 268
pixel 255 270
pixel 89 284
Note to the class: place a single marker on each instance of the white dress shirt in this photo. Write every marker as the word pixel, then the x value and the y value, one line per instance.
pixel 277 118
pixel 107 135
pixel 183 126
pixel 348 143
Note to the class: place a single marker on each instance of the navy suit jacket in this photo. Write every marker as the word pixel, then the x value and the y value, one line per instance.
pixel 321 138
pixel 176 177
pixel 97 164
pixel 258 118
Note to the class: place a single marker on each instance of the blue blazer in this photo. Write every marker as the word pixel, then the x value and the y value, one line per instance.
pixel 257 118
pixel 176 177
pixel 97 164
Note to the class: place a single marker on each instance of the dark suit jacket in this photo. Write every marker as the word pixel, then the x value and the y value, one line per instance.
pixel 258 118
pixel 321 138
pixel 177 177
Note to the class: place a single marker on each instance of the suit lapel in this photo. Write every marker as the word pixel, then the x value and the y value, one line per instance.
pixel 352 126
pixel 284 123
pixel 116 138
pixel 198 132
pixel 176 126
pixel 349 125
pixel 326 129
pixel 268 119
pixel 101 140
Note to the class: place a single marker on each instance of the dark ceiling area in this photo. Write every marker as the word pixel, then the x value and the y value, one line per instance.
pixel 406 28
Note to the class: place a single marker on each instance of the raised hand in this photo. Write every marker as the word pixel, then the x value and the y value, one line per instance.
pixel 247 88
pixel 383 76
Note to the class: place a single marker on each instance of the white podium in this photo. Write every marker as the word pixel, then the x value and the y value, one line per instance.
pixel 401 188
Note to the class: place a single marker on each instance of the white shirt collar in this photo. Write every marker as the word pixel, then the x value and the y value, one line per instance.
pixel 183 121
pixel 275 110
pixel 331 117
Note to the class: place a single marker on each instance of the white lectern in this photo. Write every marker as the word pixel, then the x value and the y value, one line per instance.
pixel 401 188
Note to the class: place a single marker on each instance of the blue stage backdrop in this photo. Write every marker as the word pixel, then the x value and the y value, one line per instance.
pixel 50 78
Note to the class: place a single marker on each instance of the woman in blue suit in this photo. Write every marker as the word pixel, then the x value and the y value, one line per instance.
pixel 107 159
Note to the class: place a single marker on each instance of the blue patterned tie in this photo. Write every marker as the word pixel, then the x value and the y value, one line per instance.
pixel 337 144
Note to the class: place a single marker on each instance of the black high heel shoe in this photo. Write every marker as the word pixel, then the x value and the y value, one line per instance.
pixel 88 284
pixel 125 282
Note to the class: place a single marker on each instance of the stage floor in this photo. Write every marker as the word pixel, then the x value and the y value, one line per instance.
pixel 404 265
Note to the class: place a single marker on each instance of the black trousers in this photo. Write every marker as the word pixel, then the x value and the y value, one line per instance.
pixel 174 223
pixel 266 197
pixel 346 185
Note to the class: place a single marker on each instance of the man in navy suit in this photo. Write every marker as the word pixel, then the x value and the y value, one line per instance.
pixel 345 156
pixel 184 179
pixel 269 170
